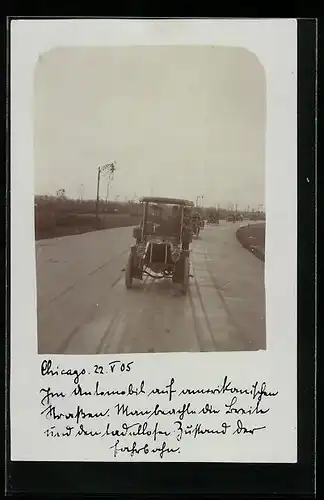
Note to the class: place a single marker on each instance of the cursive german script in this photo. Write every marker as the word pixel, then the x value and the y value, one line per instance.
pixel 135 418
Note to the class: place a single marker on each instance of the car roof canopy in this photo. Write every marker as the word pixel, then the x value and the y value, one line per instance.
pixel 166 201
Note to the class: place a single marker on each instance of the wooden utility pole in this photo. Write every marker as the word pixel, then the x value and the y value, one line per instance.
pixel 81 190
pixel 111 168
pixel 198 198
pixel 97 201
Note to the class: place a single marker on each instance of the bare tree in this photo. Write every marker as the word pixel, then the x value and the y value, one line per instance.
pixel 60 193
pixel 111 173
pixel 109 169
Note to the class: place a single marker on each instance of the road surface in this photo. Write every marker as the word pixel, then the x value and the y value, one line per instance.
pixel 84 307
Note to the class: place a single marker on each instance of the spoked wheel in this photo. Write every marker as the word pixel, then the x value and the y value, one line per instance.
pixel 129 272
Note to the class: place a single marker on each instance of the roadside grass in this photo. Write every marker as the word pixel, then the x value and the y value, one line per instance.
pixel 252 237
pixel 55 218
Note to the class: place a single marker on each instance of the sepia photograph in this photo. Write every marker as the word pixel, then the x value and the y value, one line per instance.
pixel 149 199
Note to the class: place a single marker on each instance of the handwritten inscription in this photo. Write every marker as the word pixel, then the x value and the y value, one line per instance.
pixel 134 418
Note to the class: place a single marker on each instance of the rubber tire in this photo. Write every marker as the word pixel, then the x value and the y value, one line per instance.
pixel 185 276
pixel 129 272
pixel 182 273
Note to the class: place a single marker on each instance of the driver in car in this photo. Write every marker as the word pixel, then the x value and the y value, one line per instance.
pixel 176 225
pixel 175 220
pixel 171 224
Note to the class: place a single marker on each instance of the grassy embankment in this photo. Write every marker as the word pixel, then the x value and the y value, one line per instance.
pixel 252 237
pixel 56 217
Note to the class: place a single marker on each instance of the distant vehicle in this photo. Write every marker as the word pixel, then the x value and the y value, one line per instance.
pixel 196 224
pixel 213 219
pixel 235 218
pixel 162 242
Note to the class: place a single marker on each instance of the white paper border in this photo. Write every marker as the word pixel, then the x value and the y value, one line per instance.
pixel 274 42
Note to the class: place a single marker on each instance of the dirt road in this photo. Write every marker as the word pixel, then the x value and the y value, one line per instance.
pixel 84 308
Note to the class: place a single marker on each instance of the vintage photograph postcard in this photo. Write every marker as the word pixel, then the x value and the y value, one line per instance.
pixel 154 240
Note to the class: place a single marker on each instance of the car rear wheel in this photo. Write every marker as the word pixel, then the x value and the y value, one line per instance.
pixel 129 272
pixel 182 273
pixel 185 277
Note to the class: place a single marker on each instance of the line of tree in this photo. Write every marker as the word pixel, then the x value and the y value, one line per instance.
pixel 62 203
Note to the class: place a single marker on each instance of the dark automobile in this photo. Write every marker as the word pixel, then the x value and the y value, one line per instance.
pixel 162 242
pixel 213 219
pixel 235 218
pixel 197 224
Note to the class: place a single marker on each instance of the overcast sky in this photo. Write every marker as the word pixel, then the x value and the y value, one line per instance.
pixel 179 121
